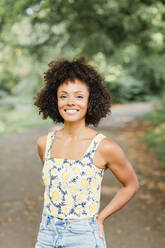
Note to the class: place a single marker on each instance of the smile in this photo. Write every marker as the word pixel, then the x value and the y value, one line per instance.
pixel 71 111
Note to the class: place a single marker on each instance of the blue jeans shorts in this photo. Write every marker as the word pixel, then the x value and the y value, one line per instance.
pixel 64 233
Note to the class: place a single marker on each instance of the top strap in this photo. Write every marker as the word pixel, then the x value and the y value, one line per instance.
pixel 94 144
pixel 49 142
pixel 90 151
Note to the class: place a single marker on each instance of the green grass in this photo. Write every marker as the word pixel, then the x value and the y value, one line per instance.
pixel 20 120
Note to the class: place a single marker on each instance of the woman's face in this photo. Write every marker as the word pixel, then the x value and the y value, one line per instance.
pixel 73 100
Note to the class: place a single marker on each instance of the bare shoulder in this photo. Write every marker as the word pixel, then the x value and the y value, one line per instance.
pixel 108 145
pixel 111 151
pixel 41 141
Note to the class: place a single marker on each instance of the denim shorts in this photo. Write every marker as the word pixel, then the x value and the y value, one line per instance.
pixel 64 233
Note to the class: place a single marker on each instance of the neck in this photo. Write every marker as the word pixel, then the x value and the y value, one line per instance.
pixel 74 130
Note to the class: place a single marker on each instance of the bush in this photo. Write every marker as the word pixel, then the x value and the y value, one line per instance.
pixel 155 137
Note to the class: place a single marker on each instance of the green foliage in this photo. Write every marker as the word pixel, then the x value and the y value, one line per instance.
pixel 19 119
pixel 123 86
pixel 151 71
pixel 128 34
pixel 129 89
pixel 155 136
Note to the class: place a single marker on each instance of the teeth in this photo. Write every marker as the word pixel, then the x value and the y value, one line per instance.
pixel 71 111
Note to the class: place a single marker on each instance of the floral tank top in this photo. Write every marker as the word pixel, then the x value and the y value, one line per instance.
pixel 72 187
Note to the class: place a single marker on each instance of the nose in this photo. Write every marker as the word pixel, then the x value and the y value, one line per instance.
pixel 70 101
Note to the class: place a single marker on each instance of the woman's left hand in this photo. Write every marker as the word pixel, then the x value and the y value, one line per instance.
pixel 101 226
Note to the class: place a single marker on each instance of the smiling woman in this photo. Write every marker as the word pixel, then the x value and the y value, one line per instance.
pixel 76 156
pixel 62 71
pixel 72 99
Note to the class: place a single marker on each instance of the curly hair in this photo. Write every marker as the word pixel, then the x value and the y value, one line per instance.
pixel 62 70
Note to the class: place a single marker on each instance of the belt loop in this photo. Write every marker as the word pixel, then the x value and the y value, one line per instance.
pixel 66 223
pixel 93 219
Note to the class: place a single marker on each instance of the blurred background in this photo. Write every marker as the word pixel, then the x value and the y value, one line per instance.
pixel 125 42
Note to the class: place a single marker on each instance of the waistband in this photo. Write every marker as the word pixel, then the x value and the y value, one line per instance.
pixel 46 218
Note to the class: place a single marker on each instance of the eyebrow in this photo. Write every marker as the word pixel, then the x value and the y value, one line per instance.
pixel 78 91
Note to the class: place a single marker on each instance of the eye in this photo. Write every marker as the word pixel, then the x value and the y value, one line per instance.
pixel 80 96
pixel 62 96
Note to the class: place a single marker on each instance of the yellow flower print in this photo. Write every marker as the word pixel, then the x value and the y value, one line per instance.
pixel 48 141
pixel 65 210
pixel 58 162
pixel 46 178
pixel 76 170
pixel 67 166
pixel 92 207
pixel 89 171
pixel 98 197
pixel 55 182
pixel 54 171
pixel 62 216
pixel 80 197
pixel 69 201
pixel 95 181
pixel 55 196
pixel 47 166
pixel 79 209
pixel 46 198
pixel 84 183
pixel 65 175
pixel 63 186
pixel 72 190
pixel 77 183
pixel 54 212
pixel 94 190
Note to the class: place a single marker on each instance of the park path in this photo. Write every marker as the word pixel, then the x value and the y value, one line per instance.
pixel 138 224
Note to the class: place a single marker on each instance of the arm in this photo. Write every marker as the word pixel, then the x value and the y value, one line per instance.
pixel 123 171
pixel 41 146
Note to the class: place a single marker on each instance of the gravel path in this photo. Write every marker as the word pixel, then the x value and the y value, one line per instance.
pixel 21 195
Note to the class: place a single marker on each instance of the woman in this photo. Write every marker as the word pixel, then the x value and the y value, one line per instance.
pixel 76 157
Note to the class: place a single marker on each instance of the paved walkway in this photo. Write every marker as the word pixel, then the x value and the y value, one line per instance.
pixel 21 194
